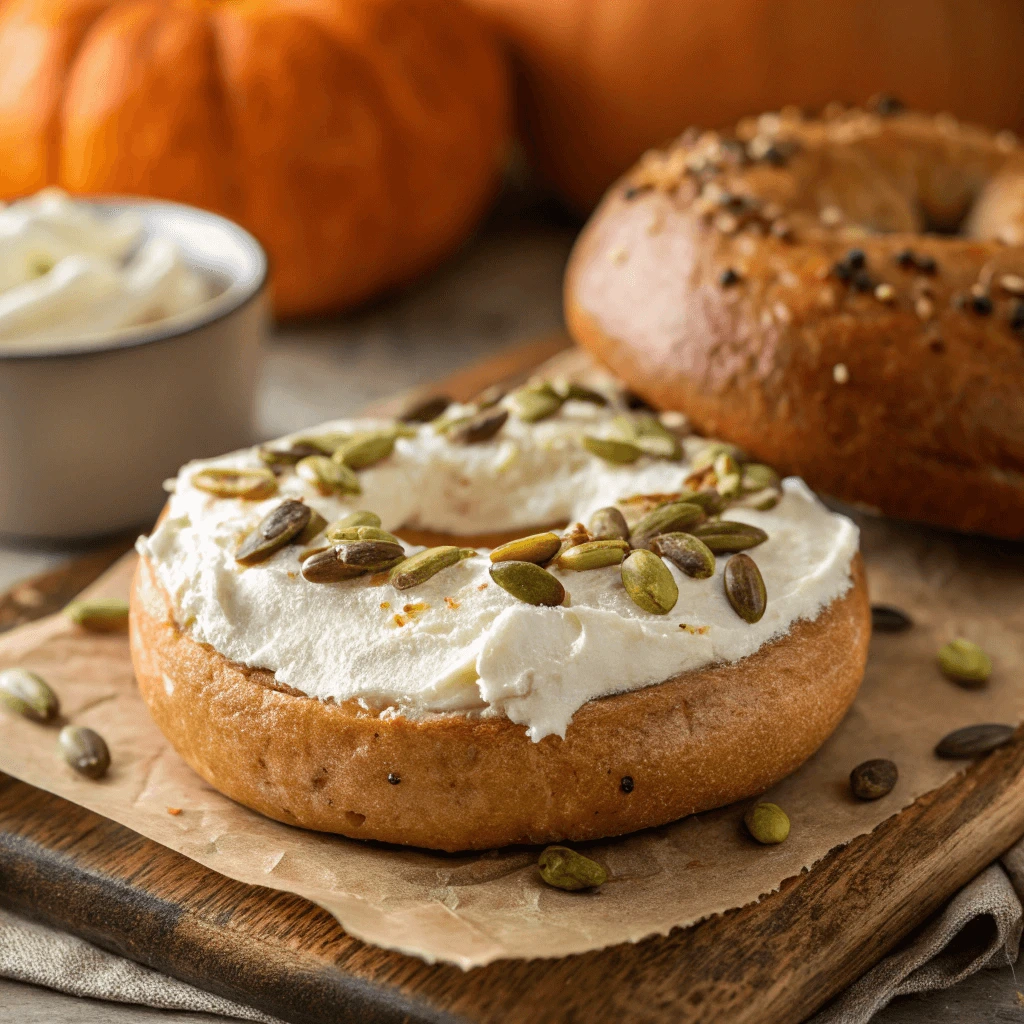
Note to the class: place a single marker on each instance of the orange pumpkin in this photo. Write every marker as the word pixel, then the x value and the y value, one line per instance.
pixel 604 80
pixel 360 140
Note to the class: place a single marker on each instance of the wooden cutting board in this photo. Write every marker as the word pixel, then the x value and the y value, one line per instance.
pixel 774 961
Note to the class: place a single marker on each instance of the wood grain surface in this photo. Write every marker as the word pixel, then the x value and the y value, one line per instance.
pixel 774 961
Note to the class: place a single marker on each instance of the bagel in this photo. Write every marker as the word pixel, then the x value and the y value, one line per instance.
pixel 454 713
pixel 842 297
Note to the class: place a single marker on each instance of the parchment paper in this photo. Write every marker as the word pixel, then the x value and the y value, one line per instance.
pixel 472 909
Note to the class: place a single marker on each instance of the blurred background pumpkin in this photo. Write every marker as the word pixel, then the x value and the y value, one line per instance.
pixel 603 80
pixel 359 140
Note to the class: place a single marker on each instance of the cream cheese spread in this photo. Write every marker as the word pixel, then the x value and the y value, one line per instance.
pixel 459 643
pixel 68 273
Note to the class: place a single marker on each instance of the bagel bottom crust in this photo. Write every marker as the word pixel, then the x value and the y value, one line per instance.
pixel 701 740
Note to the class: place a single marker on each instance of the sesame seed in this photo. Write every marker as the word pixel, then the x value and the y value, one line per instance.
pixel 885 293
pixel 394 779
pixel 618 255
pixel 906 259
pixel 726 223
pixel 631 193
pixel 842 271
pixel 981 304
pixel 927 265
pixel 626 784
pixel 856 259
pixel 840 374
pixel 1017 317
pixel 782 230
pixel 863 281
pixel 728 278
pixel 831 216
pixel 889 106
pixel 1012 283
pixel 924 307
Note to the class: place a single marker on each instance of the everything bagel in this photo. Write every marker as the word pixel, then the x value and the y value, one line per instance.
pixel 693 643
pixel 842 297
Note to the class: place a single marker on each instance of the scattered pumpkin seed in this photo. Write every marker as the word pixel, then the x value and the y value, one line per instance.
pixel 85 750
pixel 974 740
pixel 676 516
pixel 536 402
pixel 99 614
pixel 359 518
pixel 687 552
pixel 287 454
pixel 277 528
pixel 723 536
pixel 573 392
pixel 873 779
pixel 767 823
pixel 705 458
pixel 316 525
pixel 249 484
pixel 594 554
pixel 336 534
pixel 708 498
pixel 425 409
pixel 653 438
pixel 608 524
pixel 965 662
pixel 757 477
pixel 28 694
pixel 477 428
pixel 489 397
pixel 538 548
pixel 365 449
pixel 728 475
pixel 563 868
pixel 744 587
pixel 649 582
pixel 887 619
pixel 421 567
pixel 607 448
pixel 328 476
pixel 374 555
pixel 324 566
pixel 528 582
pixel 761 500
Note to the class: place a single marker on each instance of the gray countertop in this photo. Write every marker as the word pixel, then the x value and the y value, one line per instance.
pixel 503 287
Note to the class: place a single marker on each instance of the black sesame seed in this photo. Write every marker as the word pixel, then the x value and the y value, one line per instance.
pixel 856 259
pixel 906 259
pixel 888 106
pixel 842 271
pixel 1017 317
pixel 728 278
pixel 633 401
pixel 982 304
pixel 926 264
pixel 631 193
pixel 627 784
pixel 394 779
pixel 863 281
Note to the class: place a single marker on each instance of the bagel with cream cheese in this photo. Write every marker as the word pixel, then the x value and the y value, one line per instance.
pixel 578 682
pixel 842 297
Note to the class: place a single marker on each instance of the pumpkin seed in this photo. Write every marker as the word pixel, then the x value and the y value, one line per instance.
pixel 539 548
pixel 313 528
pixel 336 534
pixel 85 750
pixel 328 476
pixel 744 587
pixel 99 614
pixel 425 410
pixel 760 500
pixel 887 619
pixel 563 868
pixel 652 437
pixel 374 555
pixel 619 452
pixel 757 477
pixel 528 582
pixel 608 524
pixel 489 397
pixel 676 516
pixel 649 582
pixel 723 536
pixel 287 454
pixel 687 552
pixel 594 554
pixel 573 392
pixel 365 449
pixel 477 428
pixel 767 823
pixel 727 473
pixel 965 662
pixel 536 402
pixel 974 740
pixel 324 566
pixel 873 779
pixel 279 527
pixel 705 458
pixel 708 499
pixel 28 694
pixel 421 567
pixel 248 484
pixel 360 518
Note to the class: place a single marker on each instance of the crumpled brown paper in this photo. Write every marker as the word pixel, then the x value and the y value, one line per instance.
pixel 474 908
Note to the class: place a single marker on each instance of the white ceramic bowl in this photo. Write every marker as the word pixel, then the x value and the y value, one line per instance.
pixel 88 434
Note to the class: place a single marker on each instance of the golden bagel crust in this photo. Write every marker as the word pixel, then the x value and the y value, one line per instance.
pixel 698 741
pixel 906 399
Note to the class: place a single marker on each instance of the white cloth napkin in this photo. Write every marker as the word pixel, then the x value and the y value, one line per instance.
pixel 991 905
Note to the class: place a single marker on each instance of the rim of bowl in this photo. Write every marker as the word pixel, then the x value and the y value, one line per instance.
pixel 238 293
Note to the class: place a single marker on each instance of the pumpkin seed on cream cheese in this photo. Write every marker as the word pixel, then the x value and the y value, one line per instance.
pixel 247 484
pixel 671 518
pixel 528 583
pixel 477 428
pixel 279 527
pixel 365 449
pixel 536 402
pixel 425 410
pixel 723 536
pixel 649 582
pixel 594 554
pixel 538 548
pixel 608 524
pixel 328 476
pixel 425 565
pixel 619 452
pixel 688 553
pixel 744 587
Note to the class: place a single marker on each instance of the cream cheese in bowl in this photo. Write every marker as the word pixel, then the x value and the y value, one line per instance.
pixel 69 274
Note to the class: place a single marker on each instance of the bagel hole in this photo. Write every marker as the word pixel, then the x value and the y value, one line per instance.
pixel 354 818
